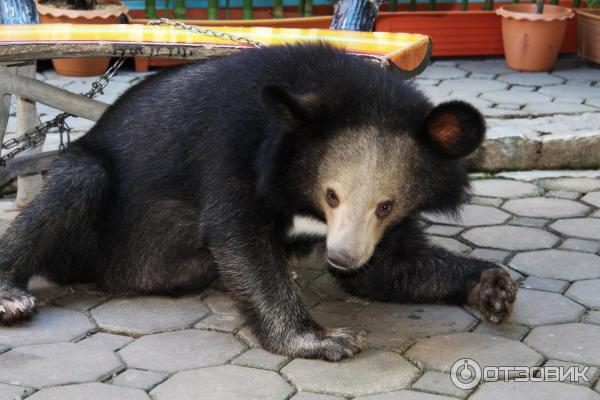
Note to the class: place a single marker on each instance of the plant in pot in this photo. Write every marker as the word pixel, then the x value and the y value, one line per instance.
pixel 81 12
pixel 532 34
pixel 588 31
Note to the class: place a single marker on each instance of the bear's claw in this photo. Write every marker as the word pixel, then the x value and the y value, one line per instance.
pixel 15 305
pixel 330 345
pixel 494 294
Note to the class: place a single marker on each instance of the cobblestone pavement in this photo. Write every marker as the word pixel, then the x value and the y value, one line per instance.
pixel 535 120
pixel 543 227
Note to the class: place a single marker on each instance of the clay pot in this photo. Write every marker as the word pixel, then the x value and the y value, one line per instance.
pixel 588 34
pixel 81 66
pixel 532 41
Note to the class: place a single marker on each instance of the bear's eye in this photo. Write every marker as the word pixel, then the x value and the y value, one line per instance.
pixel 383 209
pixel 332 198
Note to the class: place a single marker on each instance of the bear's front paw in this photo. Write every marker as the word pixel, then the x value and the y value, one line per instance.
pixel 330 345
pixel 494 295
pixel 15 305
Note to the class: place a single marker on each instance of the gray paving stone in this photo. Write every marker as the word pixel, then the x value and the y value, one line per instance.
pixel 179 350
pixel 542 207
pixel 314 396
pixel 444 230
pixel 326 286
pixel 260 358
pixel 372 371
pixel 439 383
pixel 563 194
pixel 519 88
pixel 592 198
pixel 530 79
pixel 221 303
pixel 440 352
pixel 574 342
pixel 534 307
pixel 556 108
pixel 586 293
pixel 578 74
pixel 473 85
pixel 488 66
pixel 508 106
pixel 90 391
pixel 507 97
pixel 581 185
pixel 221 322
pixel 394 325
pixel 498 256
pixel 3 348
pixel 56 364
pixel 472 215
pixel 80 300
pixel 510 237
pixel 504 188
pixel 593 101
pixel 507 329
pixel 528 221
pixel 438 72
pixel 558 264
pixel 335 314
pixel 506 131
pixel 48 325
pixel 45 291
pixel 486 201
pixel 227 382
pixel 569 123
pixel 426 82
pixel 533 390
pixel 449 244
pixel 247 337
pixel 149 314
pixel 11 392
pixel 591 374
pixel 405 395
pixel 545 284
pixel 593 317
pixel 571 91
pixel 586 228
pixel 108 341
pixel 139 379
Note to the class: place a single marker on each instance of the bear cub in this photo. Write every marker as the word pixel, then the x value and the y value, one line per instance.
pixel 197 174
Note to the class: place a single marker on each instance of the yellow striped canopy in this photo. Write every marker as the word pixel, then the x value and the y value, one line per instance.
pixel 403 50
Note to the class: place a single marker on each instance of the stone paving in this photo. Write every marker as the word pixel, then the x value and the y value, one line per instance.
pixel 543 226
pixel 545 229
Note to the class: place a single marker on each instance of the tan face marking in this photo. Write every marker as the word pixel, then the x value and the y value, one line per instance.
pixel 368 173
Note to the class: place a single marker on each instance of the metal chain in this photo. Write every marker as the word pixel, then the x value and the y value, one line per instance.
pixel 36 136
pixel 206 31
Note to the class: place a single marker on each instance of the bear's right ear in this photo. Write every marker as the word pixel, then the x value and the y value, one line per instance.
pixel 299 107
pixel 455 129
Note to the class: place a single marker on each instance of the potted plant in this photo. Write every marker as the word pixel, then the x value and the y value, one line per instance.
pixel 532 34
pixel 588 31
pixel 81 12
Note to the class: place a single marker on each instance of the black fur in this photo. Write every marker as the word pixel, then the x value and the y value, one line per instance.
pixel 196 174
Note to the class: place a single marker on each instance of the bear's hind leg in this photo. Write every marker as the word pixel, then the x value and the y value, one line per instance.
pixel 55 233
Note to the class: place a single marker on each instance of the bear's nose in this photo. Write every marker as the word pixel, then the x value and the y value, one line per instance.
pixel 340 259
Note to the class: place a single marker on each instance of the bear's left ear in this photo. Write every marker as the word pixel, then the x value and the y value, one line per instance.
pixel 455 129
pixel 298 107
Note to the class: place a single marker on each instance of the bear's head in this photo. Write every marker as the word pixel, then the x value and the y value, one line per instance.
pixel 364 164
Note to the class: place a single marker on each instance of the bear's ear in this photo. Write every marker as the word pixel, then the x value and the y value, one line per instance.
pixel 455 129
pixel 302 107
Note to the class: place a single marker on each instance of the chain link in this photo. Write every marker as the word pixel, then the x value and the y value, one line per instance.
pixel 36 136
pixel 206 31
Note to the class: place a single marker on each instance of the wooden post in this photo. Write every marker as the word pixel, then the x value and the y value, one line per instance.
pixel 355 15
pixel 27 118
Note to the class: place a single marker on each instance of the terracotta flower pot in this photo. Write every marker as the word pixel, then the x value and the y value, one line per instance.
pixel 81 66
pixel 532 41
pixel 588 34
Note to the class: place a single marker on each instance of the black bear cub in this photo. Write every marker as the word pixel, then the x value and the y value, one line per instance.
pixel 198 172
